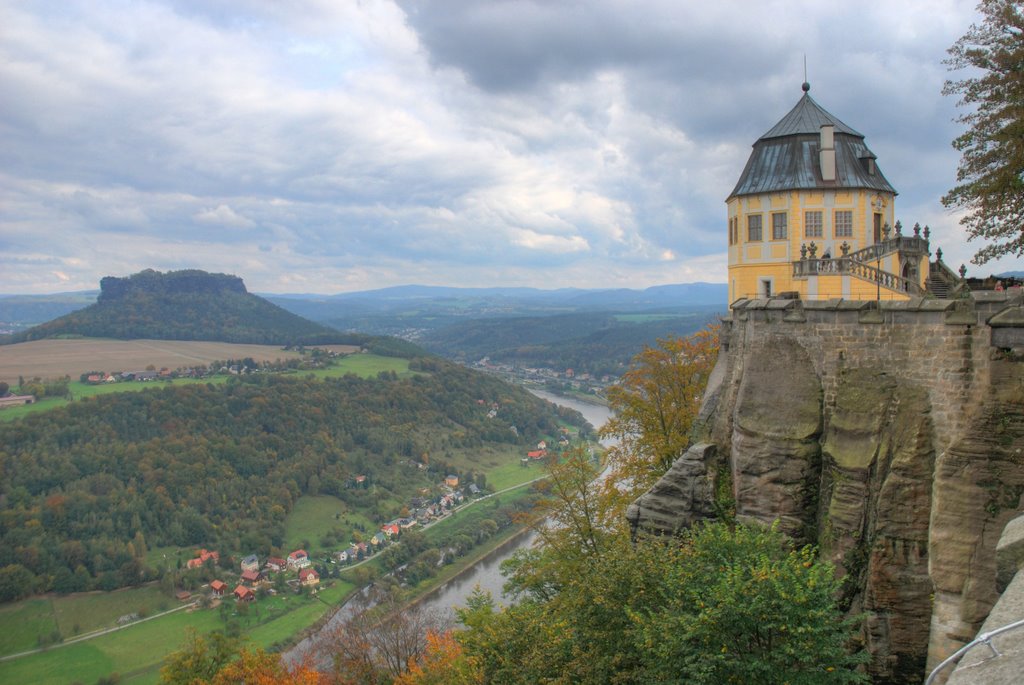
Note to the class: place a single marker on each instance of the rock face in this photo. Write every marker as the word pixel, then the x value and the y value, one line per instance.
pixel 892 437
pixel 873 519
pixel 776 456
pixel 685 494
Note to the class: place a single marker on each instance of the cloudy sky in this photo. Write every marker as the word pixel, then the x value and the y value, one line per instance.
pixel 328 146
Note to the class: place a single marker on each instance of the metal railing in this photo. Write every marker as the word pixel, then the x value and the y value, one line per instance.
pixel 982 639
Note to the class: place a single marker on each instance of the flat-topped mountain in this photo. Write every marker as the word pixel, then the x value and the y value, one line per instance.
pixel 183 305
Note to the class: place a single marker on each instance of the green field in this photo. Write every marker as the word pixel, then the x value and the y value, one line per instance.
pixel 363 365
pixel 514 473
pixel 137 652
pixel 366 366
pixel 24 622
pixel 313 517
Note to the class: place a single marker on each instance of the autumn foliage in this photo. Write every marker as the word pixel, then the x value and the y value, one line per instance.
pixel 444 662
pixel 656 403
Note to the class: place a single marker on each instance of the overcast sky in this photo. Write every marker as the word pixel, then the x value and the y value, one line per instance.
pixel 325 146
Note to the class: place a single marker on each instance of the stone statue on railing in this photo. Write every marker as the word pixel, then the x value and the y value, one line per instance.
pixel 845 248
pixel 917 230
pixel 899 228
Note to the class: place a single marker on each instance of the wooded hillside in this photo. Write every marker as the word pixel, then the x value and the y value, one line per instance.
pixel 86 489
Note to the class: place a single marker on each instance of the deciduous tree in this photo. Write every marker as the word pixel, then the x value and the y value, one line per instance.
pixel 655 404
pixel 991 172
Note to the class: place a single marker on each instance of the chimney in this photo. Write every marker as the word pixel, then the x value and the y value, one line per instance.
pixel 827 153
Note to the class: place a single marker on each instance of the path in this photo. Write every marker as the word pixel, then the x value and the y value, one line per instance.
pixel 95 633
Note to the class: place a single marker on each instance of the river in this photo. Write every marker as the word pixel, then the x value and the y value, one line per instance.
pixel 486 573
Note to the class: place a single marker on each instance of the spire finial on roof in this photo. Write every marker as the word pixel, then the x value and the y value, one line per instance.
pixel 806 86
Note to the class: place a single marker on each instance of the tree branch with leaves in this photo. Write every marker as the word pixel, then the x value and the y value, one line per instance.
pixel 990 176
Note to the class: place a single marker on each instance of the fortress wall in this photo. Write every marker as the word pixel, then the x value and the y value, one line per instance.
pixel 942 346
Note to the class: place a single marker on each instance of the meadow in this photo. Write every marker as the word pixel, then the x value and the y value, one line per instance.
pixel 364 365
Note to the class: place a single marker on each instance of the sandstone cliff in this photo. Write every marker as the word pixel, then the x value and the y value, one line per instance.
pixel 892 436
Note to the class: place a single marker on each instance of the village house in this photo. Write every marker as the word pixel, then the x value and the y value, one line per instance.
pixel 244 594
pixel 536 454
pixel 341 556
pixel 217 588
pixel 451 481
pixel 251 577
pixel 276 564
pixel 298 559
pixel 202 558
pixel 309 577
pixel 251 563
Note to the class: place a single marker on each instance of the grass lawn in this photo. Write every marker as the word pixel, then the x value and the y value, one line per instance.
pixel 314 517
pixel 513 473
pixel 134 650
pixel 90 611
pixel 23 622
pixel 366 366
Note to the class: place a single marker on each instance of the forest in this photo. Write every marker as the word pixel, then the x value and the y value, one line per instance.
pixel 597 343
pixel 86 489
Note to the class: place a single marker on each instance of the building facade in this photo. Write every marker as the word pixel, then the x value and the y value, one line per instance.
pixel 813 216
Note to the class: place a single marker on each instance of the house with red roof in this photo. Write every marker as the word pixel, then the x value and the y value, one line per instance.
pixel 309 577
pixel 298 559
pixel 202 557
pixel 276 564
pixel 244 594
pixel 217 588
pixel 251 578
pixel 537 454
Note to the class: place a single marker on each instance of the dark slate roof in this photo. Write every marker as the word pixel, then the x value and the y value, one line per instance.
pixel 807 117
pixel 786 157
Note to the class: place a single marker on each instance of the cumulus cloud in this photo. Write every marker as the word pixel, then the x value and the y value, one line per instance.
pixel 324 146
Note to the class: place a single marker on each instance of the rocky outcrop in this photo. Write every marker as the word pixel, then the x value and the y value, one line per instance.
pixel 684 495
pixel 892 436
pixel 876 490
pixel 977 490
pixel 776 456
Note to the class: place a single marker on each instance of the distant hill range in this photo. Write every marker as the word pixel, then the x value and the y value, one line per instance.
pixel 401 309
pixel 182 305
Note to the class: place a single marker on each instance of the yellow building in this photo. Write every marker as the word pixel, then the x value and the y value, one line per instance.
pixel 811 214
